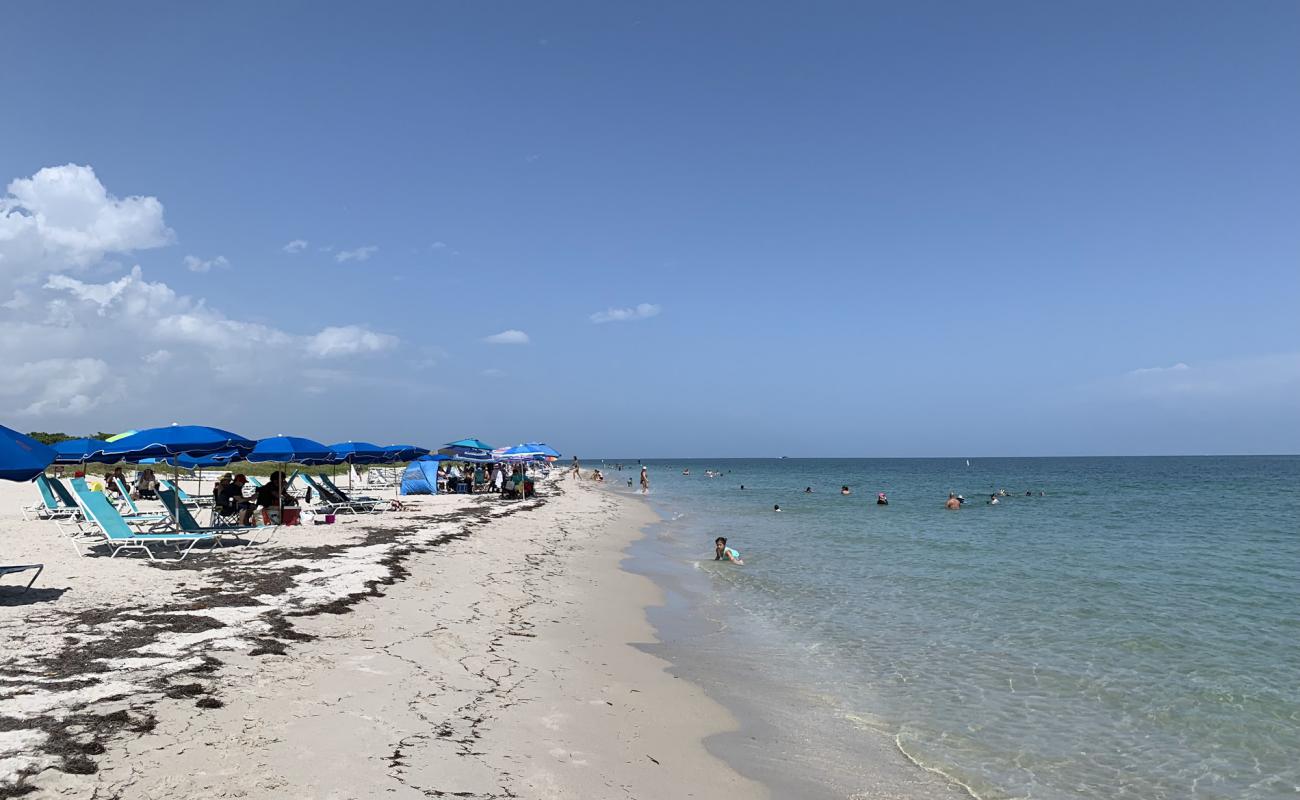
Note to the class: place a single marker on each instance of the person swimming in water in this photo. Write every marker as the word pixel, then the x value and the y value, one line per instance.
pixel 845 490
pixel 807 490
pixel 993 499
pixel 881 500
pixel 776 508
pixel 723 553
pixel 953 503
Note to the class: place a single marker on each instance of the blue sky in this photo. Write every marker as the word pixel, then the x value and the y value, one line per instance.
pixel 853 228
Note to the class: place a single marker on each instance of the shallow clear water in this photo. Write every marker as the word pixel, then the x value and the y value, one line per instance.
pixel 1133 633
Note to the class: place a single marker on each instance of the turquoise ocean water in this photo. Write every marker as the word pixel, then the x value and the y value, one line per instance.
pixel 1132 633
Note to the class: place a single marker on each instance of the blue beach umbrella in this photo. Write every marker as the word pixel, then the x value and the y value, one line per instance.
pixel 544 449
pixel 475 450
pixel 286 449
pixel 77 451
pixel 434 457
pixel 175 440
pixel 358 453
pixel 22 457
pixel 193 441
pixel 405 452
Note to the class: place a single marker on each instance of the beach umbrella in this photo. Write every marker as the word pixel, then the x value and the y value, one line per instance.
pixel 544 449
pixel 405 452
pixel 520 452
pixel 175 440
pixel 475 450
pixel 357 453
pixel 434 457
pixel 286 449
pixel 121 435
pixel 77 451
pixel 22 457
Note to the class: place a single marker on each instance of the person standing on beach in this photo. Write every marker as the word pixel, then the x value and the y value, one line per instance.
pixel 575 470
pixel 645 481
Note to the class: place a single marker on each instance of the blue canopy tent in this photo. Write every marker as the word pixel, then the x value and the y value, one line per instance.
pixel 421 477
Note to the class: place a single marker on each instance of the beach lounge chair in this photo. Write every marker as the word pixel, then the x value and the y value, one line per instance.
pixel 328 482
pixel 256 481
pixel 326 502
pixel 14 570
pixel 66 498
pixel 365 504
pixel 49 507
pixel 186 523
pixel 186 499
pixel 127 508
pixel 104 526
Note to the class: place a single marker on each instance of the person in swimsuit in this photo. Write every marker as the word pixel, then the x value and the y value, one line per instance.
pixel 845 490
pixel 953 503
pixel 776 508
pixel 723 553
pixel 881 500
pixel 645 481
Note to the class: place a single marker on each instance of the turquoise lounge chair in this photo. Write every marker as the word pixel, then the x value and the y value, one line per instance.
pixel 49 507
pixel 127 507
pixel 107 527
pixel 186 523
pixel 65 497
pixel 186 498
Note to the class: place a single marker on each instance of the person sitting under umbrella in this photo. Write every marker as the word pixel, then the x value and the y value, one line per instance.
pixel 273 496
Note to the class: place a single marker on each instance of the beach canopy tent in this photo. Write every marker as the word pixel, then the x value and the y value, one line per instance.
pixel 420 477
pixel 174 440
pixel 77 451
pixel 475 450
pixel 358 453
pixel 22 457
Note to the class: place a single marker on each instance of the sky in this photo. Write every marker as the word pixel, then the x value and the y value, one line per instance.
pixel 658 230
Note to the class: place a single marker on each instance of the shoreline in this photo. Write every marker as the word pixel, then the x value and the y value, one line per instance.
pixel 841 756
pixel 499 657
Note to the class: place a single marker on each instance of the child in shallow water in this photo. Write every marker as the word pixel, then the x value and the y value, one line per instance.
pixel 723 553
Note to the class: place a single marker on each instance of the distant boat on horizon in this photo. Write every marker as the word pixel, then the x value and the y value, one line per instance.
pixel 968 462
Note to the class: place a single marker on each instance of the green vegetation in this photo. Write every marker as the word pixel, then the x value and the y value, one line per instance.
pixel 55 438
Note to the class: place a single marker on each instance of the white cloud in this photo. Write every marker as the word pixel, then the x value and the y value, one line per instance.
pixel 438 246
pixel 359 254
pixel 507 337
pixel 59 385
pixel 296 246
pixel 641 311
pixel 196 264
pixel 1179 367
pixel 348 340
pixel 70 345
pixel 63 217
pixel 493 372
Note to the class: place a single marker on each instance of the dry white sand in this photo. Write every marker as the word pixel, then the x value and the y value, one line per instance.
pixel 470 647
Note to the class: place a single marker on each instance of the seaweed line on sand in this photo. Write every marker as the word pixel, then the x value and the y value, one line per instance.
pixel 86 676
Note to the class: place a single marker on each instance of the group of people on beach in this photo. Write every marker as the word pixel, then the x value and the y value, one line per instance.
pixel 229 500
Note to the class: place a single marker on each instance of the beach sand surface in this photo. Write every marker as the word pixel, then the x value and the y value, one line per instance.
pixel 469 647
